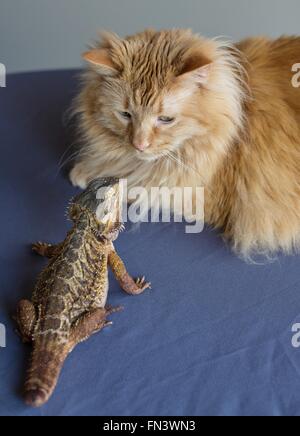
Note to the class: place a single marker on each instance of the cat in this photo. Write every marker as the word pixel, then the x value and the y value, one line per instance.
pixel 171 108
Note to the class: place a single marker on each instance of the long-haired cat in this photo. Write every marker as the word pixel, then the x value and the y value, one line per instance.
pixel 171 108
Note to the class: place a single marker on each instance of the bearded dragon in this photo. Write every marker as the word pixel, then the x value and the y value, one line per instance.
pixel 68 302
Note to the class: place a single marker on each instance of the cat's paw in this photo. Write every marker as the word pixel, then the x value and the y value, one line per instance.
pixel 79 176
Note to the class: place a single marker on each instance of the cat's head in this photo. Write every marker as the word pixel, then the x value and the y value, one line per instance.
pixel 151 90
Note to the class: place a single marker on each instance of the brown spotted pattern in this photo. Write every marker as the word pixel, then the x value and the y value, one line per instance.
pixel 68 302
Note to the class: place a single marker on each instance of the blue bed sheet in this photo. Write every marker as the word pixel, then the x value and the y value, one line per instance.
pixel 213 336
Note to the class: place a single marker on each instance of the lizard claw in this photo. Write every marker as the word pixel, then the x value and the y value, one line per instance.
pixel 40 248
pixel 110 309
pixel 142 284
pixel 108 323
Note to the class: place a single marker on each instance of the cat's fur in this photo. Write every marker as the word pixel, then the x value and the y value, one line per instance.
pixel 236 130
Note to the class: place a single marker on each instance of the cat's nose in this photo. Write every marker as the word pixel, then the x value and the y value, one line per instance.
pixel 141 146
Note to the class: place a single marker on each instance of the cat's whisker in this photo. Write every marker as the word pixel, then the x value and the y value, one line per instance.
pixel 178 161
pixel 69 159
pixel 181 163
pixel 64 154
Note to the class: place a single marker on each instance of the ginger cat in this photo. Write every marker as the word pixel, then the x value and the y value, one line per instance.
pixel 171 108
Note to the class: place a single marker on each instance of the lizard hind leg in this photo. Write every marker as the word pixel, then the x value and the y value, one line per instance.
pixel 26 320
pixel 91 322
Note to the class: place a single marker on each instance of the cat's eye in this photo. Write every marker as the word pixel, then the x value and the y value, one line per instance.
pixel 166 120
pixel 126 115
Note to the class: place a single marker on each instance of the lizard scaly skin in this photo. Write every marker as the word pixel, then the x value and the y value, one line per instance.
pixel 68 302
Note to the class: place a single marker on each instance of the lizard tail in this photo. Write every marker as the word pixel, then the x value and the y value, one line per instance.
pixel 47 360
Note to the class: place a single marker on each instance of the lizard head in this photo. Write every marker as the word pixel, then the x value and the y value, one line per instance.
pixel 101 202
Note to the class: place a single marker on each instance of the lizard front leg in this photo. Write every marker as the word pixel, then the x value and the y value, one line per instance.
pixel 90 323
pixel 26 319
pixel 46 250
pixel 127 283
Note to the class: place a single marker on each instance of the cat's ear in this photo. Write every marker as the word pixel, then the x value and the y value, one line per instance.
pixel 101 61
pixel 199 76
pixel 195 71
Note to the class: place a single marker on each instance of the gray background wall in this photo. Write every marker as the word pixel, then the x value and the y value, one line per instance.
pixel 49 34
